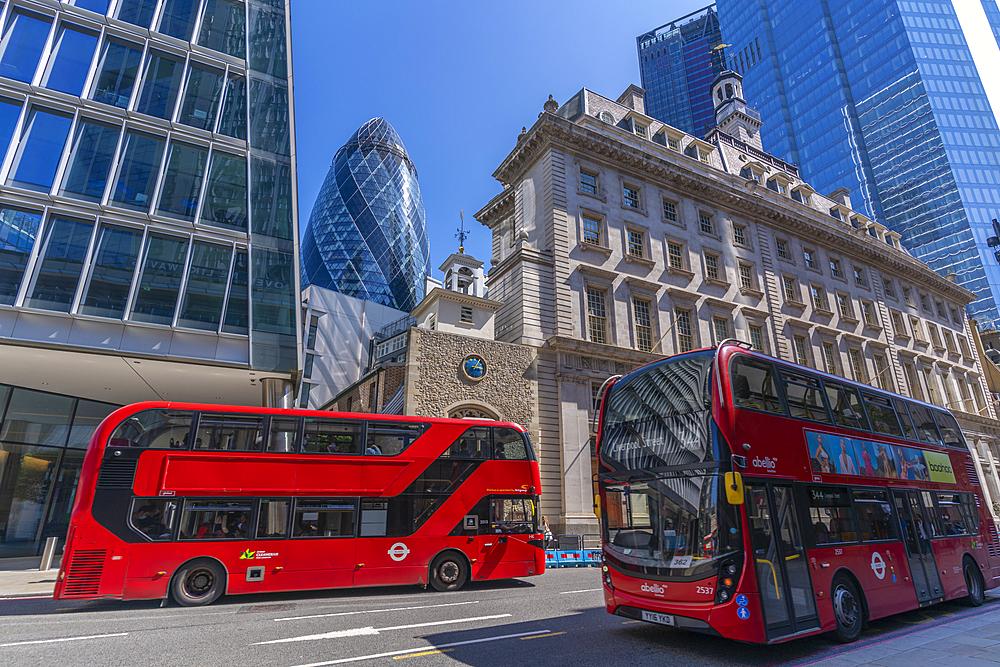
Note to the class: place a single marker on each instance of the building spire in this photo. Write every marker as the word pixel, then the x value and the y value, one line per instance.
pixel 462 234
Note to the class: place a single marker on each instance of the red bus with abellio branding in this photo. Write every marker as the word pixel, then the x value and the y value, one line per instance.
pixel 758 500
pixel 194 501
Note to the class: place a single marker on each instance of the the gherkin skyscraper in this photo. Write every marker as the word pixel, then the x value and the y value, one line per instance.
pixel 367 235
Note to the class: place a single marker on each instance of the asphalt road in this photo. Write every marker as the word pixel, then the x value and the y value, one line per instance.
pixel 555 619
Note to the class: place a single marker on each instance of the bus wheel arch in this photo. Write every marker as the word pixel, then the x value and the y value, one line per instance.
pixel 198 582
pixel 850 607
pixel 449 570
pixel 974 582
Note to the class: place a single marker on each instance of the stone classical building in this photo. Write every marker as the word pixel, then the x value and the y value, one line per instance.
pixel 618 239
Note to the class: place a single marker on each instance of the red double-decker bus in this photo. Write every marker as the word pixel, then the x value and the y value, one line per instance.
pixel 758 500
pixel 194 501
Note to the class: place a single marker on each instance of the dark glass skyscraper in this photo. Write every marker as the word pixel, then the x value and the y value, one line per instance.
pixel 677 63
pixel 367 236
pixel 884 97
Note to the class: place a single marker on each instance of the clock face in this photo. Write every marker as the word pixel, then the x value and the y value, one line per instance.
pixel 474 367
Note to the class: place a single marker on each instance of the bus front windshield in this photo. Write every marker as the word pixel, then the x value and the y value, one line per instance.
pixel 660 453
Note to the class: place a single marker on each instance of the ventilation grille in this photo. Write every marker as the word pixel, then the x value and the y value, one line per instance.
pixel 970 468
pixel 117 474
pixel 994 544
pixel 84 574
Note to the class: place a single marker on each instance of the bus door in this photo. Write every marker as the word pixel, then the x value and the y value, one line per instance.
pixel 917 538
pixel 786 592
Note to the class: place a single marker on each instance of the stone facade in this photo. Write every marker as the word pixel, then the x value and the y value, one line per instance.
pixel 618 240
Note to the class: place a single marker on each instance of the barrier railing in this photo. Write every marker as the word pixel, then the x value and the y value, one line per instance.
pixel 572 550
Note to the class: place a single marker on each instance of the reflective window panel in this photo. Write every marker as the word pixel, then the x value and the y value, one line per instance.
pixel 139 166
pixel 237 308
pixel 201 98
pixel 233 122
pixel 274 291
pixel 96 6
pixel 27 474
pixel 206 287
pixel 38 152
pixel 63 491
pixel 18 231
pixel 70 59
pixel 271 198
pixel 222 27
pixel 268 47
pixel 63 253
pixel 10 111
pixel 178 18
pixel 182 182
pixel 118 67
pixel 137 12
pixel 23 41
pixel 90 161
pixel 161 81
pixel 162 270
pixel 86 419
pixel 226 195
pixel 114 269
pixel 269 117
pixel 37 418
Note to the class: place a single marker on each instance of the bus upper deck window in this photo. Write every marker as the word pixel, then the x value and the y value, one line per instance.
pixel 154 429
pixel 390 438
pixel 508 443
pixel 754 385
pixel 230 432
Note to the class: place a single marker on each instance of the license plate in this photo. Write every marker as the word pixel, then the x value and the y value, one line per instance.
pixel 654 617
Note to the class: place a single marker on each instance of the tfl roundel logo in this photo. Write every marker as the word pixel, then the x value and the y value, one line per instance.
pixel 398 551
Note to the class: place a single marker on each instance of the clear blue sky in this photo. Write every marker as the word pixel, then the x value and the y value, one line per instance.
pixel 457 80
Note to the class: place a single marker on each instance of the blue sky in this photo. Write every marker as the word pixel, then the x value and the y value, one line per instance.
pixel 457 80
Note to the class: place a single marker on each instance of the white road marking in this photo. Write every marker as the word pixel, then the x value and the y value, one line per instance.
pixel 373 631
pixel 64 639
pixel 376 611
pixel 589 590
pixel 28 597
pixel 420 648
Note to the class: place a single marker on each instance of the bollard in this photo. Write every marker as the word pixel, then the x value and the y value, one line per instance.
pixel 49 554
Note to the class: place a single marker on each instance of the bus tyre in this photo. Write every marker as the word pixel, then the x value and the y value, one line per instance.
pixel 974 583
pixel 847 609
pixel 198 583
pixel 448 572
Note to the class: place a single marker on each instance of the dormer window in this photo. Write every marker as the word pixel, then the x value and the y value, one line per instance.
pixel 607 118
pixel 802 194
pixel 641 130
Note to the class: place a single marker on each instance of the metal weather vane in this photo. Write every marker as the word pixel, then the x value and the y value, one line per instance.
pixel 462 234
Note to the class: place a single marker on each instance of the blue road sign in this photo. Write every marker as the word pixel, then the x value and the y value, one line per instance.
pixel 743 613
pixel 742 600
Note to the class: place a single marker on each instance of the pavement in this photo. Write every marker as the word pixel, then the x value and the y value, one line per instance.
pixel 20 577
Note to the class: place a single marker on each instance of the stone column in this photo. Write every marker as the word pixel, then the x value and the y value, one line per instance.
pixel 577 492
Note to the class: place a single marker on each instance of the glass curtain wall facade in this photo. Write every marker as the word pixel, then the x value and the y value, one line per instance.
pixel 367 235
pixel 883 97
pixel 677 63
pixel 147 172
pixel 43 438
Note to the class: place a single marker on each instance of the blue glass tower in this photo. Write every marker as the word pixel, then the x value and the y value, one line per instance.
pixel 677 63
pixel 883 97
pixel 367 236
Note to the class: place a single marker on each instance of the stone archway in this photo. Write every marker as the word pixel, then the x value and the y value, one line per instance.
pixel 472 411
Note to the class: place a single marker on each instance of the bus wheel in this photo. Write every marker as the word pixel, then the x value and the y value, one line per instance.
pixel 448 572
pixel 847 610
pixel 198 582
pixel 973 582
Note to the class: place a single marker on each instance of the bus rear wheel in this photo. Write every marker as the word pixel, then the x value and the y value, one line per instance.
pixel 448 572
pixel 847 610
pixel 198 583
pixel 974 583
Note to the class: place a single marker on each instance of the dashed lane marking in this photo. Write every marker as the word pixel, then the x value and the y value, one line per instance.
pixel 375 611
pixel 550 634
pixel 417 655
pixel 589 590
pixel 356 632
pixel 62 639
pixel 372 656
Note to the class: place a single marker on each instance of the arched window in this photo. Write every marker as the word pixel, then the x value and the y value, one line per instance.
pixel 729 90
pixel 472 412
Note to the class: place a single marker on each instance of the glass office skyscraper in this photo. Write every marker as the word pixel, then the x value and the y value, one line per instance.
pixel 147 222
pixel 677 63
pixel 886 98
pixel 367 235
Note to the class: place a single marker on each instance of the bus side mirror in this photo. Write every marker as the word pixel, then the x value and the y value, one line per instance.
pixel 734 488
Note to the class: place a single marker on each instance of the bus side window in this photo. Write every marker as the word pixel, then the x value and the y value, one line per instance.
pixel 830 515
pixel 473 444
pixel 909 432
pixel 971 513
pixel 390 438
pixel 513 515
pixel 937 526
pixel 804 396
pixel 230 432
pixel 753 385
pixel 923 421
pixel 950 432
pixel 874 515
pixel 216 519
pixel 845 402
pixel 331 436
pixel 272 518
pixel 333 517
pixel 882 415
pixel 155 429
pixel 952 514
pixel 508 443
pixel 153 517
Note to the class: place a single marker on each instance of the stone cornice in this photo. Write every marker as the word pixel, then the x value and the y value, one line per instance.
pixel 498 209
pixel 439 293
pixel 613 352
pixel 717 188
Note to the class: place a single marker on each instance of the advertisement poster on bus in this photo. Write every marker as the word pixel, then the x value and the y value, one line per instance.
pixel 839 455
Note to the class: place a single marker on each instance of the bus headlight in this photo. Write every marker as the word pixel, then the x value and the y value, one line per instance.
pixel 607 576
